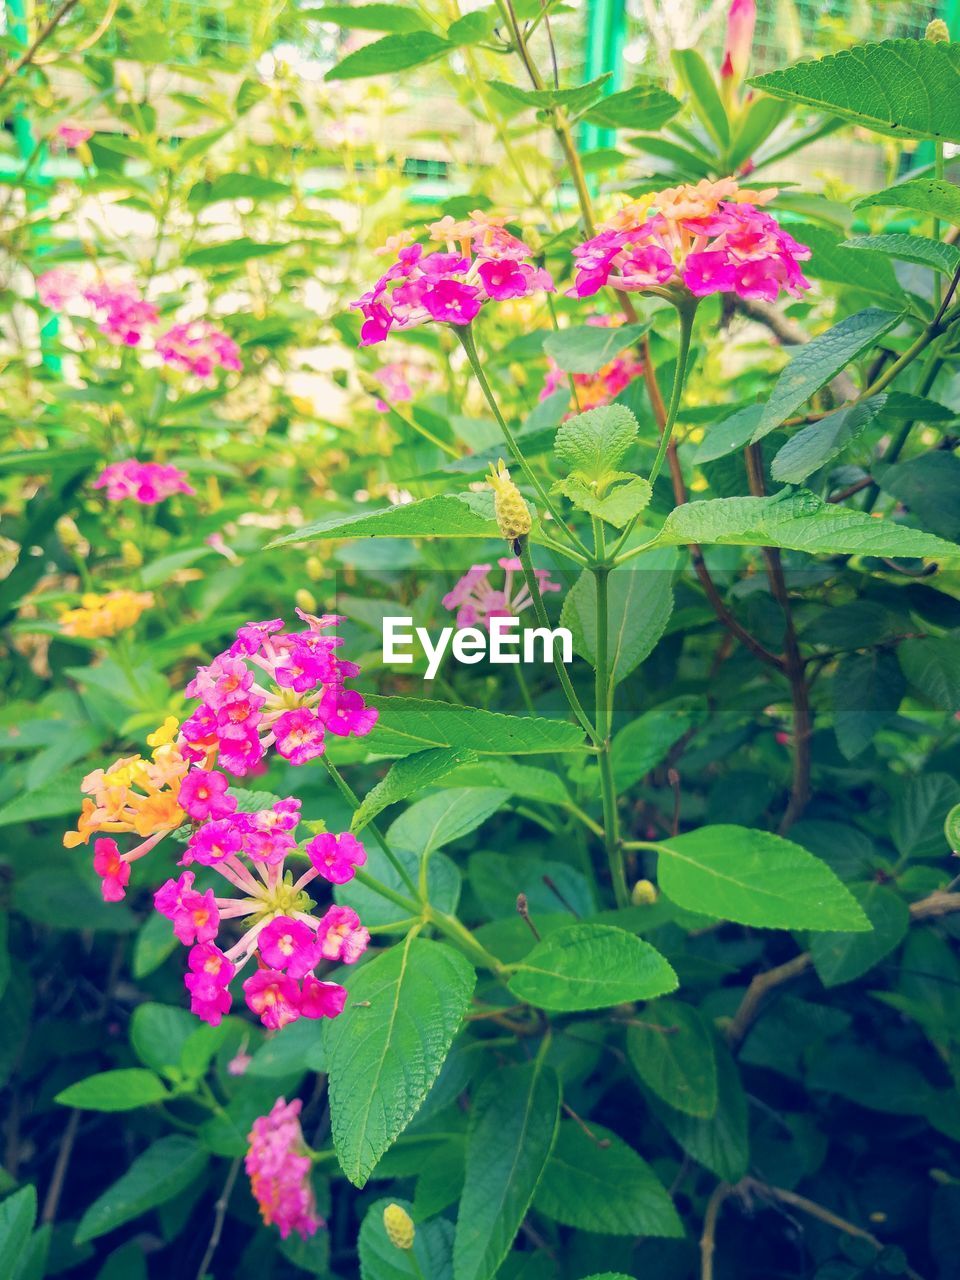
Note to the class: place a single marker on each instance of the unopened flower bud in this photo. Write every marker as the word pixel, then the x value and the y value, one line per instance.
pixel 71 537
pixel 132 555
pixel 306 600
pixel 644 893
pixel 513 514
pixel 937 31
pixel 399 1226
pixel 314 568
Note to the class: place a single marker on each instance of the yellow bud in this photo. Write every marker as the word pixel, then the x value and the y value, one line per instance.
pixel 124 81
pixel 513 514
pixel 644 893
pixel 306 600
pixel 399 1226
pixel 937 30
pixel 71 537
pixel 132 555
pixel 314 568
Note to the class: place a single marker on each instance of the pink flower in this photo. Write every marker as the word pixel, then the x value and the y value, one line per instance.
pixel 705 239
pixel 214 842
pixel 398 380
pixel 58 287
pixel 72 135
pixel 341 936
pixel 274 997
pixel 112 870
pixel 278 1165
pixel 741 20
pixel 145 482
pixel 336 857
pixel 199 348
pixel 482 261
pixel 209 976
pixel 124 316
pixel 290 945
pixel 203 794
pixel 322 999
pixel 343 711
pixel 477 600
pixel 195 916
pixel 299 735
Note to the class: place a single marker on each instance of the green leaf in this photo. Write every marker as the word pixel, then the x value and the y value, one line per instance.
pixel 158 1033
pixel 122 1090
pixel 755 878
pixel 443 887
pixel 591 966
pixel 799 521
pixel 54 799
pixel 572 101
pixel 18 1213
pixel 403 1010
pixel 617 506
pixel 165 1169
pixel 645 742
pixel 929 486
pixel 813 446
pixel 923 195
pixel 406 778
pixel 293 1050
pixel 820 360
pixel 587 348
pixel 232 252
pixel 595 1182
pixel 951 828
pixel 442 516
pixel 671 1047
pixel 920 250
pixel 380 1260
pixel 155 941
pixel 472 28
pixel 523 780
pixel 411 724
pixel 867 689
pixel 639 604
pixel 919 810
pixel 372 17
pixel 842 957
pixel 698 80
pixel 593 444
pixel 448 815
pixel 645 106
pixel 900 88
pixel 392 53
pixel 760 118
pixel 730 434
pixel 513 1126
pixel 236 186
pixel 932 665
pixel 720 1143
pixel 832 260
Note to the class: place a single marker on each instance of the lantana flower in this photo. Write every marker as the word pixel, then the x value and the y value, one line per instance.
pixel 122 313
pixel 476 600
pixel 398 379
pixel 594 389
pixel 198 348
pixel 278 1165
pixel 479 260
pixel 72 134
pixel 99 616
pixel 703 239
pixel 145 482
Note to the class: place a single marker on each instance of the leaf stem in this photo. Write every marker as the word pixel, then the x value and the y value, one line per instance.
pixel 602 709
pixel 353 799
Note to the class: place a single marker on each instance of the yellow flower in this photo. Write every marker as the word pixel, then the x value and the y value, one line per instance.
pixel 164 734
pixel 104 615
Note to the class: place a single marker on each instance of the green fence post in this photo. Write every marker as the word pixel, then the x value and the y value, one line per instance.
pixel 606 36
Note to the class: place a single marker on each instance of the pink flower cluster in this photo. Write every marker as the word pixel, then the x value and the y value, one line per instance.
pixel 249 851
pixel 122 314
pixel 274 688
pixel 477 600
pixel 479 261
pixel 145 482
pixel 278 1166
pixel 708 238
pixel 398 380
pixel 73 135
pixel 199 348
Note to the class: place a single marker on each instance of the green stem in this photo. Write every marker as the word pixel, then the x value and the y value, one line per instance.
pixel 465 334
pixel 351 797
pixel 938 173
pixel 603 692
pixel 384 890
pixel 459 933
pixel 686 312
pixel 533 586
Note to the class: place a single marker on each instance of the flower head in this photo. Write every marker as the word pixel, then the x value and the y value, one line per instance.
pixel 99 616
pixel 58 287
pixel 145 482
pixel 480 261
pixel 278 1165
pixel 741 20
pixel 512 512
pixel 199 348
pixel 705 239
pixel 122 313
pixel 336 858
pixel 476 600
pixel 72 134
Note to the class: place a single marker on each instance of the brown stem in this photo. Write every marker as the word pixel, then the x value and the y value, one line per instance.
pixel 42 37
pixel 850 490
pixel 52 1201
pixel 709 1237
pixel 220 1213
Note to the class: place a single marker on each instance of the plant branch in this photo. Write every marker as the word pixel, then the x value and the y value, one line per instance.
pixel 220 1213
pixel 41 38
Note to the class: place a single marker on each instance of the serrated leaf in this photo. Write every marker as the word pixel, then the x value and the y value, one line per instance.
pixel 730 434
pixel 639 605
pixel 932 665
pixel 834 261
pixel 900 88
pixel 572 100
pixel 755 878
pixel 919 810
pixel 644 106
pixel 122 1090
pixel 158 1033
pixel 591 966
pixel 395 52
pixel 406 778
pixel 920 250
pixel 411 724
pixel 448 815
pixel 951 828
pixel 587 348
pixel 442 516
pixel 595 443
pixel 867 689
pixel 843 957
pixel 799 521
pixel 617 506
pixel 820 360
pixel 17 1215
pixel 381 1260
pixel 671 1047
pixel 596 1182
pixel 372 17
pixel 154 942
pixel 645 742
pixel 513 1126
pixel 385 1051
pixel 813 446
pixel 929 486
pixel 160 1173
pixel 923 195
pixel 720 1143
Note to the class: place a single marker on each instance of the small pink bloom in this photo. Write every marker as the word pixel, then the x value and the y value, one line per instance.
pixel 203 794
pixel 290 945
pixel 341 935
pixel 209 976
pixel 343 711
pixel 336 857
pixel 112 870
pixel 72 135
pixel 58 287
pixel 123 314
pixel 145 482
pixel 741 20
pixel 278 1166
pixel 299 735
pixel 199 348
pixel 274 997
pixel 322 999
pixel 214 841
pixel 194 915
